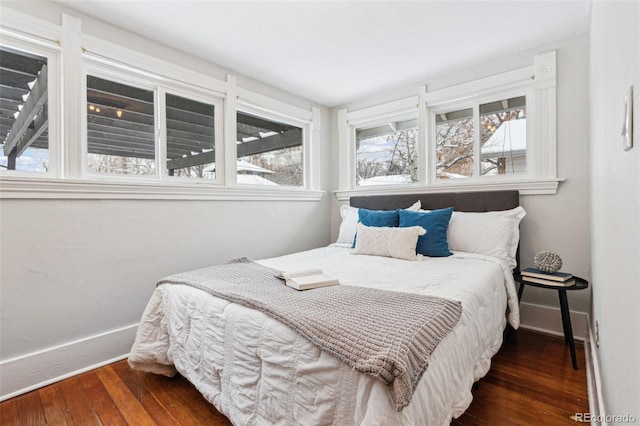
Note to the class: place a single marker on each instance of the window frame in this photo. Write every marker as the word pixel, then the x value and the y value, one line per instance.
pixel 411 113
pixel 128 78
pixel 52 52
pixel 270 109
pixel 474 103
pixel 202 97
pixel 350 121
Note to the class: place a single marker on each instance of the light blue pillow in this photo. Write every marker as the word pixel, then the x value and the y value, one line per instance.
pixel 436 222
pixel 377 218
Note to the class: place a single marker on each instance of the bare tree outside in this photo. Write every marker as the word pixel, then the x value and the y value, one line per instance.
pixel 393 156
pixel 286 165
pixel 101 163
pixel 502 140
pixel 454 147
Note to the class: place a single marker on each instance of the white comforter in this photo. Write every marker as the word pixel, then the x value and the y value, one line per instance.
pixel 258 371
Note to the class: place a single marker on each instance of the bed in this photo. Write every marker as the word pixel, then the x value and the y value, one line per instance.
pixel 259 371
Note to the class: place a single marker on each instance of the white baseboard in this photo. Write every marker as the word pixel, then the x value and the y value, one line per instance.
pixel 594 382
pixel 37 369
pixel 549 320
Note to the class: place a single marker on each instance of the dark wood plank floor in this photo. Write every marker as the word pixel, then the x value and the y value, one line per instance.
pixel 531 382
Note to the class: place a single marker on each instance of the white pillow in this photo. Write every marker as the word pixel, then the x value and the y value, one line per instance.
pixel 490 233
pixel 387 241
pixel 348 226
pixel 349 215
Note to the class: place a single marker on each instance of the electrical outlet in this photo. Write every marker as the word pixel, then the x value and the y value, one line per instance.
pixel 597 334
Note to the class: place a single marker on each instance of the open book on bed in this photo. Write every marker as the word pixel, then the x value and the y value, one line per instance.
pixel 307 279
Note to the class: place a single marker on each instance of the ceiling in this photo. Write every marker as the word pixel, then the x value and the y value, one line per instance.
pixel 335 52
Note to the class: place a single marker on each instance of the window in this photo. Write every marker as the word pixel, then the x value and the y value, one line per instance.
pixel 454 144
pixel 24 111
pixel 498 130
pixel 269 152
pixel 120 128
pixel 123 129
pixel 502 139
pixel 191 139
pixel 386 154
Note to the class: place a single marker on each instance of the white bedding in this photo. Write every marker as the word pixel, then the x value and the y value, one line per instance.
pixel 258 371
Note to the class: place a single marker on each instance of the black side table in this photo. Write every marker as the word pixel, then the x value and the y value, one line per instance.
pixel 580 283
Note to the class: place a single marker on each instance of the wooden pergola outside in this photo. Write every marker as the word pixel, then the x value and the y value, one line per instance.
pixel 24 120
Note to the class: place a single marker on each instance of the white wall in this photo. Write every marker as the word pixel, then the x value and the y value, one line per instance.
pixel 560 222
pixel 76 275
pixel 615 203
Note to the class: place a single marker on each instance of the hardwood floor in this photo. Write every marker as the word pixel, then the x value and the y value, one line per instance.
pixel 531 382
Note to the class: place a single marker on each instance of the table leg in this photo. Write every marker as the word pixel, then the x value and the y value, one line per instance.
pixel 566 325
pixel 520 291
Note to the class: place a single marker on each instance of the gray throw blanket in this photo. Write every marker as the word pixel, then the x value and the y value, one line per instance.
pixel 386 334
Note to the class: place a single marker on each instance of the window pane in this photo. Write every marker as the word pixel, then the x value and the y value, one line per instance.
pixel 387 154
pixel 454 144
pixel 190 138
pixel 24 108
pixel 269 152
pixel 120 128
pixel 503 143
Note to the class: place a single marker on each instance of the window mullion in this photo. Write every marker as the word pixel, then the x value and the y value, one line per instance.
pixel 161 132
pixel 74 100
pixel 476 140
pixel 431 147
pixel 422 144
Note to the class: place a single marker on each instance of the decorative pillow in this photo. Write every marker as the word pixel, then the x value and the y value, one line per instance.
pixel 348 225
pixel 389 242
pixel 349 215
pixel 388 218
pixel 434 243
pixel 491 233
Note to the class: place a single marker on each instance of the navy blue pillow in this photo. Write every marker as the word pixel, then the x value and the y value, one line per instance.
pixel 377 218
pixel 434 243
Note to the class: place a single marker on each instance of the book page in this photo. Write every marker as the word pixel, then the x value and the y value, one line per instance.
pixel 287 275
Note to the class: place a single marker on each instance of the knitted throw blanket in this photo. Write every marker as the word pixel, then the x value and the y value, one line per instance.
pixel 386 334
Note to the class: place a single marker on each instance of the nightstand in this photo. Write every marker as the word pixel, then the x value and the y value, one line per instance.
pixel 580 284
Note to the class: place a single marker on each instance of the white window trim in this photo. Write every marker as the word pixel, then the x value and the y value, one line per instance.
pixel 129 78
pixel 31 188
pixel 537 82
pixel 49 49
pixel 350 121
pixel 24 26
pixel 70 182
pixel 526 187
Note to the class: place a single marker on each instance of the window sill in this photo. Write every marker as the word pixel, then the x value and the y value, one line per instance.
pixel 526 187
pixel 34 188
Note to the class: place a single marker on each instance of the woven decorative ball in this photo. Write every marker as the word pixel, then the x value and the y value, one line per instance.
pixel 547 261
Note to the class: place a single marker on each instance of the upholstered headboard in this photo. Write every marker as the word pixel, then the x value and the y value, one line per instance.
pixel 460 201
